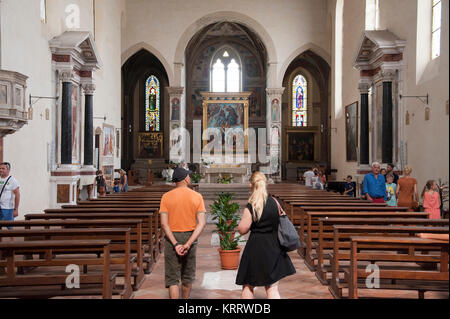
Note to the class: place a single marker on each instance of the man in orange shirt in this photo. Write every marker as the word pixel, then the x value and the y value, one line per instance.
pixel 182 212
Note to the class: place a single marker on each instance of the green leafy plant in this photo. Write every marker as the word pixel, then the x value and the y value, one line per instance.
pixel 226 215
pixel 196 177
pixel 225 179
pixel 229 241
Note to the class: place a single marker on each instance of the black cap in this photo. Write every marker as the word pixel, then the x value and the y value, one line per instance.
pixel 179 174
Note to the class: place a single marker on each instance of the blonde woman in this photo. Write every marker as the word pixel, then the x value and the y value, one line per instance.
pixel 406 192
pixel 263 262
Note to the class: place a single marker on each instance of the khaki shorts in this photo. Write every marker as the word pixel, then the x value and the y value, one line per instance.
pixel 179 267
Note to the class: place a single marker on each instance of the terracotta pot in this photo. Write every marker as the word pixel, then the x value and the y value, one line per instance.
pixel 229 258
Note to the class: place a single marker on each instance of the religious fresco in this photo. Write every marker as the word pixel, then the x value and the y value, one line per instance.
pixel 351 131
pixel 175 110
pixel 300 146
pixel 276 111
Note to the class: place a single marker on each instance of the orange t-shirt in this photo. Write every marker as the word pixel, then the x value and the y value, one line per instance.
pixel 182 206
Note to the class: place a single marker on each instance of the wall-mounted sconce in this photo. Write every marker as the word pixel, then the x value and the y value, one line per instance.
pixel 37 98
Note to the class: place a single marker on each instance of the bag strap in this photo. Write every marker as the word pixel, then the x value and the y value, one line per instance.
pixel 4 185
pixel 281 212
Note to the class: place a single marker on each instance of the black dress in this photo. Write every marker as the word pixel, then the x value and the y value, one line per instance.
pixel 264 262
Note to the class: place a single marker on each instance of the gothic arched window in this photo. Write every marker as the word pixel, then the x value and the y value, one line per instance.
pixel 299 101
pixel 226 72
pixel 152 104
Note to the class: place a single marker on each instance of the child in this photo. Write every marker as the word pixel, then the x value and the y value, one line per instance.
pixel 431 200
pixel 390 190
pixel 116 187
pixel 349 187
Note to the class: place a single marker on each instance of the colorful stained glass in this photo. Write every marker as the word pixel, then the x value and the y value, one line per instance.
pixel 299 102
pixel 152 101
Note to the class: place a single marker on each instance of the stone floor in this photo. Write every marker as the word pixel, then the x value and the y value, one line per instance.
pixel 214 283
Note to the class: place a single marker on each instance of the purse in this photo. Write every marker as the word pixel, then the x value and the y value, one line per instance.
pixel 287 234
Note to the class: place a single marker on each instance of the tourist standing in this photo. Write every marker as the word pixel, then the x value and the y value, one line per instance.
pixel 432 200
pixel 307 177
pixel 100 183
pixel 390 170
pixel 391 199
pixel 264 262
pixel 9 194
pixel 182 212
pixel 123 181
pixel 374 185
pixel 407 194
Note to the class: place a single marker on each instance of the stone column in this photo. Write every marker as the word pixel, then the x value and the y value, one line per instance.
pixel 66 117
pixel 177 111
pixel 274 130
pixel 387 137
pixel 364 125
pixel 89 124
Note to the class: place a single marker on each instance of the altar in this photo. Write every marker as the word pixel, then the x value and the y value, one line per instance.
pixel 238 173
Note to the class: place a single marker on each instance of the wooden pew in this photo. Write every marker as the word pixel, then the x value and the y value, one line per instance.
pixel 404 279
pixel 147 228
pixel 330 234
pixel 120 238
pixel 154 239
pixel 310 233
pixel 136 236
pixel 13 285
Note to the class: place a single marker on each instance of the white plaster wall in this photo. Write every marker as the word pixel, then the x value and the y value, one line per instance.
pixel 427 141
pixel 25 49
pixel 163 25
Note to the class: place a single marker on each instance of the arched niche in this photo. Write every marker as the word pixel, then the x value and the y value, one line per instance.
pixel 135 72
pixel 317 73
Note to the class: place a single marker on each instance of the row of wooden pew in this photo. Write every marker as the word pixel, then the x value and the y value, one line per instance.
pixel 343 238
pixel 112 242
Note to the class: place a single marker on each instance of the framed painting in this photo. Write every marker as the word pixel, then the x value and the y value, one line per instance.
pixel 225 111
pixel 301 146
pixel 150 145
pixel 351 131
pixel 108 140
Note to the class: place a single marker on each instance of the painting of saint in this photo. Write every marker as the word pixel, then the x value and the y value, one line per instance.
pixel 108 140
pixel 175 110
pixel 226 115
pixel 275 111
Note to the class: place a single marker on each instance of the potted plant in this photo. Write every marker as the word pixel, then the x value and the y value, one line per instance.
pixel 225 179
pixel 226 215
pixel 229 251
pixel 196 177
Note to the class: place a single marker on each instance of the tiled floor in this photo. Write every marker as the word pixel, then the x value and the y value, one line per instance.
pixel 302 285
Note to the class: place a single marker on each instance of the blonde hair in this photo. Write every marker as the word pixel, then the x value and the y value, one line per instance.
pixel 259 196
pixel 408 170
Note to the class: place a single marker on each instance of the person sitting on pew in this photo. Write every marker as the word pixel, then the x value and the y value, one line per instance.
pixel 182 212
pixel 307 177
pixel 374 185
pixel 349 187
pixel 116 188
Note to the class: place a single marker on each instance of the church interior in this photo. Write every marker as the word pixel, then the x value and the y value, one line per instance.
pixel 136 85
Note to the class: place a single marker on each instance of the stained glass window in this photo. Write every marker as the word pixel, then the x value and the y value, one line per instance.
pixel 436 29
pixel 300 101
pixel 152 101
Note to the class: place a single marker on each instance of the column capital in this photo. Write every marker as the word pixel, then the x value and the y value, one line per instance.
pixel 275 91
pixel 364 87
pixel 387 75
pixel 66 75
pixel 89 88
pixel 175 91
